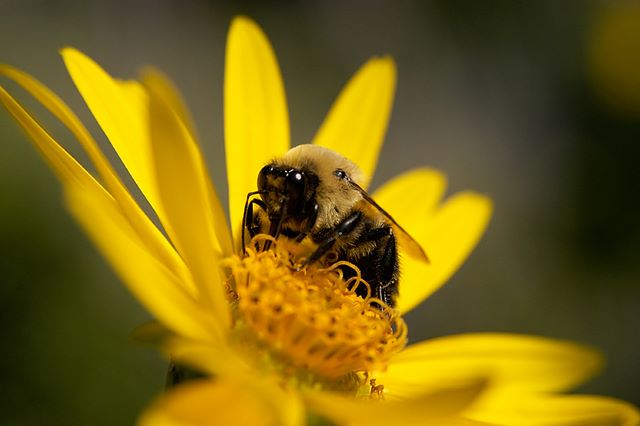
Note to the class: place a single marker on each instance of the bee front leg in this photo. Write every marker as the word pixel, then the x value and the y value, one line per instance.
pixel 250 223
pixel 253 224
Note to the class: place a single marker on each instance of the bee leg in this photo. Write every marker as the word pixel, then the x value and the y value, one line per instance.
pixel 331 235
pixel 251 224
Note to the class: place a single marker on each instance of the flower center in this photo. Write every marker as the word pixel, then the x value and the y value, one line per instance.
pixel 312 318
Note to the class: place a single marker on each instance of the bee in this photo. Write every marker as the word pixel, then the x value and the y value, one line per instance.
pixel 314 193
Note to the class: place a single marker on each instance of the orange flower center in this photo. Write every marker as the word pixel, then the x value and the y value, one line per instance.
pixel 312 317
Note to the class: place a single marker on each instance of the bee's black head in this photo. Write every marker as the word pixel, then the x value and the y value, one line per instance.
pixel 287 191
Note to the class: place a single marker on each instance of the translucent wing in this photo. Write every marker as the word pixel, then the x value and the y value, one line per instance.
pixel 414 249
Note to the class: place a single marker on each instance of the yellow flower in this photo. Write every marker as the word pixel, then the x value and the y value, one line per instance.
pixel 216 308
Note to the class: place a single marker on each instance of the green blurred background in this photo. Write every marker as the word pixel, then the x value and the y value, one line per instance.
pixel 535 103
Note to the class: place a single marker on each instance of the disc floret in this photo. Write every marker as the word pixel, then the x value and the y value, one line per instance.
pixel 311 318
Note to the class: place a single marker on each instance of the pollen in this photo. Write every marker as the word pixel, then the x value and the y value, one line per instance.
pixel 311 317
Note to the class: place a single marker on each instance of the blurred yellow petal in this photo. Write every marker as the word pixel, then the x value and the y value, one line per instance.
pixel 57 107
pixel 229 366
pixel 121 109
pixel 183 186
pixel 149 280
pixel 440 407
pixel 448 236
pixel 69 171
pixel 514 363
pixel 139 100
pixel 357 122
pixel 171 94
pixel 218 361
pixel 225 363
pixel 256 120
pixel 612 45
pixel 551 410
pixel 162 89
pixel 148 232
pixel 208 403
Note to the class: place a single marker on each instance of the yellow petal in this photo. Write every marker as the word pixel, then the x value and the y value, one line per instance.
pixel 357 122
pixel 440 407
pixel 514 363
pixel 119 112
pixel 215 360
pixel 398 196
pixel 121 109
pixel 208 403
pixel 448 236
pixel 184 187
pixel 227 364
pixel 561 410
pixel 149 280
pixel 155 286
pixel 162 90
pixel 256 120
pixel 147 231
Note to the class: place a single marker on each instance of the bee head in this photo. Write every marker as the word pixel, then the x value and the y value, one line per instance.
pixel 286 190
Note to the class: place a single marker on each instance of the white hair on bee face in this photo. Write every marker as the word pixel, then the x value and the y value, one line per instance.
pixel 324 160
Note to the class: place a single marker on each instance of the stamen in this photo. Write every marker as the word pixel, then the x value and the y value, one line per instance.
pixel 312 318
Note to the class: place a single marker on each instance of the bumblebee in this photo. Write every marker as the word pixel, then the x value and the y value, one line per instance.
pixel 314 193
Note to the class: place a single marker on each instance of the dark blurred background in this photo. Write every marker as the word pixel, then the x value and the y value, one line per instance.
pixel 535 103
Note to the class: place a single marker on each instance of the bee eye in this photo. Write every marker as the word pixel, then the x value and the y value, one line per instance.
pixel 295 181
pixel 262 176
pixel 340 174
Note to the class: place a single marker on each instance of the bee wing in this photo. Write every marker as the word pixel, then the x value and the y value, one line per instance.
pixel 414 249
